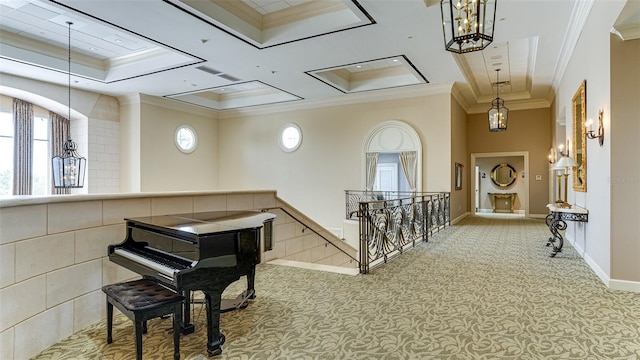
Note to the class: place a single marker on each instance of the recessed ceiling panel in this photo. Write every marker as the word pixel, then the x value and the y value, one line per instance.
pixel 36 32
pixel 265 24
pixel 516 61
pixel 377 74
pixel 240 95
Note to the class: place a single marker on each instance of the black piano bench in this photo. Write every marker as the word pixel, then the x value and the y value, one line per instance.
pixel 141 300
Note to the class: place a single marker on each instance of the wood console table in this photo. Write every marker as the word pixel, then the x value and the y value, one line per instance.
pixel 510 196
pixel 556 222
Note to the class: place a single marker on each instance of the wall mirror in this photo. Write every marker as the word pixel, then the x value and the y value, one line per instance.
pixel 503 175
pixel 578 145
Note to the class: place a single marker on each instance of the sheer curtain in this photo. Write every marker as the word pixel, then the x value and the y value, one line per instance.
pixel 59 131
pixel 22 147
pixel 408 161
pixel 372 166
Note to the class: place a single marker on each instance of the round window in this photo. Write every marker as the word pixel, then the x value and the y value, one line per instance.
pixel 290 137
pixel 186 139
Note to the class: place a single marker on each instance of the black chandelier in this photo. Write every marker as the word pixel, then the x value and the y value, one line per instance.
pixel 69 169
pixel 498 114
pixel 468 24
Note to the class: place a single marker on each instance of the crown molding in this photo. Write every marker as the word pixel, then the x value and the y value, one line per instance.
pixel 513 106
pixel 627 32
pixel 167 104
pixel 581 10
pixel 348 99
pixel 457 94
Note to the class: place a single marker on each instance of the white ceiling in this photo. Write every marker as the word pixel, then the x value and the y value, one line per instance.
pixel 289 50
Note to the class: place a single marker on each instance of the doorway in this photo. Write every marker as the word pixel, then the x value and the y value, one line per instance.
pixel 480 201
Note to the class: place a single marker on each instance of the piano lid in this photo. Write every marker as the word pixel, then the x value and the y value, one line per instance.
pixel 204 223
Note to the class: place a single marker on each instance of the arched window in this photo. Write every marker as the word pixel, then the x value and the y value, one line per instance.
pixel 392 154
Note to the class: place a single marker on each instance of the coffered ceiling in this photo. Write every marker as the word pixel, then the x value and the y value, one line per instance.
pixel 232 54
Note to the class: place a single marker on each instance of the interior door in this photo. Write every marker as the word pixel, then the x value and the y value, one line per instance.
pixel 386 177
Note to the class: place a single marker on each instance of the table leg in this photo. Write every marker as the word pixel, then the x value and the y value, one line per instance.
pixel 556 224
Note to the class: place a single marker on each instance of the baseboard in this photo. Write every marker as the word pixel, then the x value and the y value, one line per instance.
pixel 624 285
pixel 597 269
pixel 459 218
pixel 613 284
pixel 538 216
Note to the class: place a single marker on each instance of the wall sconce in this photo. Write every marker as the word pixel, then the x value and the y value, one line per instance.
pixel 591 134
pixel 552 156
pixel 562 151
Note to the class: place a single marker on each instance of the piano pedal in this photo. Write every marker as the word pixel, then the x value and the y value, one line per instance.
pixel 240 302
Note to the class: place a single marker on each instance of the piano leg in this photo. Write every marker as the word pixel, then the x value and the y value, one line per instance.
pixel 215 338
pixel 251 281
pixel 187 327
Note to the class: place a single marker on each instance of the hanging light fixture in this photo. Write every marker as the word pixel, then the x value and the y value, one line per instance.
pixel 498 114
pixel 68 169
pixel 467 24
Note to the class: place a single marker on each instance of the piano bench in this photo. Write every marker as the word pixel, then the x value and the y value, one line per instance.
pixel 141 300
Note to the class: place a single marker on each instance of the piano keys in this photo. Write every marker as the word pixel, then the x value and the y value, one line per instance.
pixel 200 251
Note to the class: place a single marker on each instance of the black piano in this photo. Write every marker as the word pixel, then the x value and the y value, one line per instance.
pixel 199 251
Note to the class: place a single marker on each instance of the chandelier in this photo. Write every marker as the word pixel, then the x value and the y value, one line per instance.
pixel 498 114
pixel 467 24
pixel 68 170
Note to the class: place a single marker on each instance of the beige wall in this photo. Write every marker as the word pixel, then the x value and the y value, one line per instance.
pixel 625 168
pixel 162 166
pixel 528 130
pixel 330 159
pixel 459 154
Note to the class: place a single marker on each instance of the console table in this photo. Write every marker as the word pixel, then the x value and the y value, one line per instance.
pixel 510 196
pixel 556 221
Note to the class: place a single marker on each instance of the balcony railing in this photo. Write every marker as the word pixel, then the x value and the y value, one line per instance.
pixel 392 222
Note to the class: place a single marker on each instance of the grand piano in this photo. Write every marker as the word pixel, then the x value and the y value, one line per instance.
pixel 199 251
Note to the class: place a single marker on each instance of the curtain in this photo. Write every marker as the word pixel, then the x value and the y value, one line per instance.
pixel 59 132
pixel 22 147
pixel 408 161
pixel 372 165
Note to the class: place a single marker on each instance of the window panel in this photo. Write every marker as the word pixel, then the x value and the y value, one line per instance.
pixel 6 149
pixel 41 128
pixel 6 123
pixel 41 161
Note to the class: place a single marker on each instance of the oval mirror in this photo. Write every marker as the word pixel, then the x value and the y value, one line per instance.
pixel 503 175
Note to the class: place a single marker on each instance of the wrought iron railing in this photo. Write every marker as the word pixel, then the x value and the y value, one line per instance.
pixel 396 223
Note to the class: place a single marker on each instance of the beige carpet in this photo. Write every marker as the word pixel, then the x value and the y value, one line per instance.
pixel 483 289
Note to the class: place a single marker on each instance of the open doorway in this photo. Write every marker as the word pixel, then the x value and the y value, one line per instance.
pixel 493 195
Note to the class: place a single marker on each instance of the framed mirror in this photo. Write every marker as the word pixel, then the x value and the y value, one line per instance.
pixel 503 175
pixel 579 143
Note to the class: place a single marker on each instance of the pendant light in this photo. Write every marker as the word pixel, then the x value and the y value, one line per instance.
pixel 498 114
pixel 69 169
pixel 467 24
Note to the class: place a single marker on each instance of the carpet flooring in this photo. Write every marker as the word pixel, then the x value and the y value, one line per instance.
pixel 484 288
